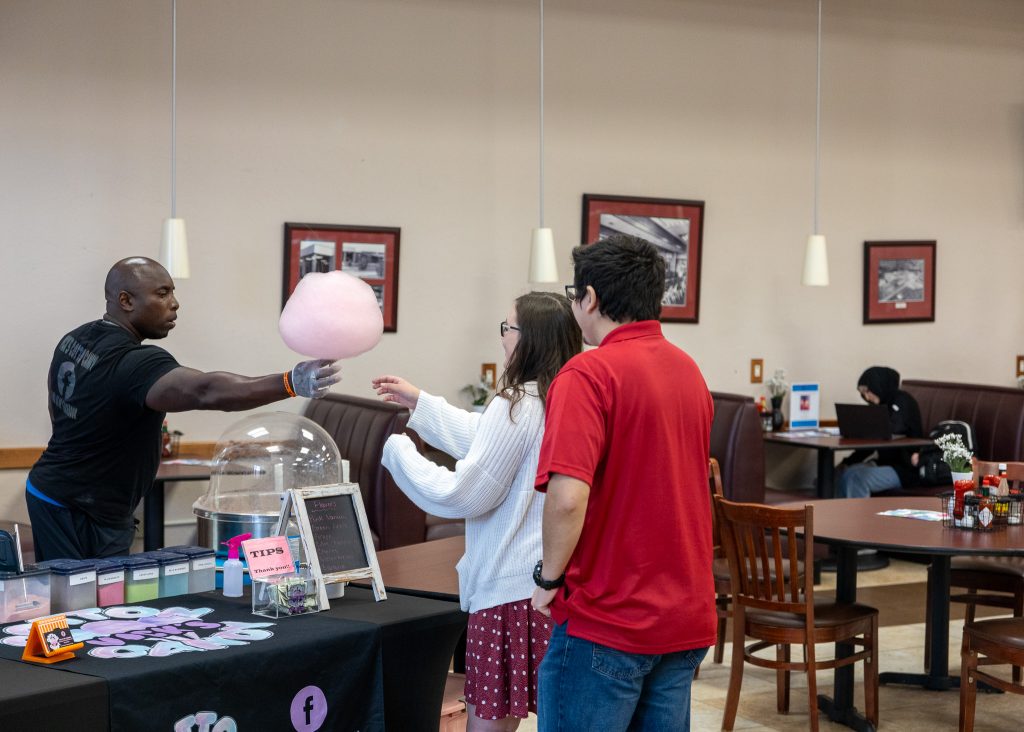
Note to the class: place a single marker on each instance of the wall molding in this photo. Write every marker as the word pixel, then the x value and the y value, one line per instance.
pixel 23 458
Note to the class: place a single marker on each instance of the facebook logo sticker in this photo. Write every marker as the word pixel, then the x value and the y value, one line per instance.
pixel 309 709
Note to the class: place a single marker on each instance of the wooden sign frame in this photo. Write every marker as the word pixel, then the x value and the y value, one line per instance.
pixel 295 505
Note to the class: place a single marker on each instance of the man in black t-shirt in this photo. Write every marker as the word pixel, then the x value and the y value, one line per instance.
pixel 108 395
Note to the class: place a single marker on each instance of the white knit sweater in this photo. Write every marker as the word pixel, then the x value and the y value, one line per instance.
pixel 492 488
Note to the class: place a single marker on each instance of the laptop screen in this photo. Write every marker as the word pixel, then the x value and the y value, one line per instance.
pixel 864 421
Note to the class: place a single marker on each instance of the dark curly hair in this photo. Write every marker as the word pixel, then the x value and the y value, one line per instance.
pixel 626 272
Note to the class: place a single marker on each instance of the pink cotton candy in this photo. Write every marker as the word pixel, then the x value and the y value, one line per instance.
pixel 331 315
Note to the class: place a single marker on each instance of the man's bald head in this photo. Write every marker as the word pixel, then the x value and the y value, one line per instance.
pixel 128 275
pixel 140 296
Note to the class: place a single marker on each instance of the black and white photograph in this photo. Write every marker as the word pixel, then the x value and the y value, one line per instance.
pixel 673 225
pixel 368 252
pixel 316 256
pixel 363 260
pixel 670 236
pixel 901 280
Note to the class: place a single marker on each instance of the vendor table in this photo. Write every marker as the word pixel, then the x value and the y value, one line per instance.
pixel 361 665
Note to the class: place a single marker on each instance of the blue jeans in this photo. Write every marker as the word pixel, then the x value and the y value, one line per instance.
pixel 861 480
pixel 586 686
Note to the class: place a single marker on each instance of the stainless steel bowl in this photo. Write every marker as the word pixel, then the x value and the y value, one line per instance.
pixel 215 527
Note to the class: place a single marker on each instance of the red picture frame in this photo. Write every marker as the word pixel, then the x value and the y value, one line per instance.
pixel 367 252
pixel 899 282
pixel 674 226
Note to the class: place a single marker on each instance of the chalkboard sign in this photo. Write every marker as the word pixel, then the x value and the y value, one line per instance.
pixel 334 534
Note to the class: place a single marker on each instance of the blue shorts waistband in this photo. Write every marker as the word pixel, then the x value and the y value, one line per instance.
pixel 32 490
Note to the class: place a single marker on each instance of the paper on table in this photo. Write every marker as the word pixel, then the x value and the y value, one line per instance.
pixel 913 513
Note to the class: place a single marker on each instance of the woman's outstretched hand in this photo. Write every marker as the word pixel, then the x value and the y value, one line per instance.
pixel 396 389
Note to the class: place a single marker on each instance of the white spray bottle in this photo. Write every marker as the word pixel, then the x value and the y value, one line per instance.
pixel 233 566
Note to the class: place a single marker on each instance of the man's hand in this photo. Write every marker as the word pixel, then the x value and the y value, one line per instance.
pixel 313 379
pixel 542 600
pixel 398 390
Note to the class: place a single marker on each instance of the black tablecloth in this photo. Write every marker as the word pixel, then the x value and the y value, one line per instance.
pixel 372 662
pixel 204 653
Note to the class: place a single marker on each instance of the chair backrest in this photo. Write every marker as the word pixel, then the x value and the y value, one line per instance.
pixel 763 551
pixel 715 486
pixel 1014 471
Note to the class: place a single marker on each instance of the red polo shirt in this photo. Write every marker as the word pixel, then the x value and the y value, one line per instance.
pixel 632 419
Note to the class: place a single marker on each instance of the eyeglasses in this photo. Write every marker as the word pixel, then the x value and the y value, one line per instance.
pixel 570 293
pixel 505 328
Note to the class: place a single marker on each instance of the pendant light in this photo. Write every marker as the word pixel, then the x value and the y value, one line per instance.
pixel 816 254
pixel 174 245
pixel 543 266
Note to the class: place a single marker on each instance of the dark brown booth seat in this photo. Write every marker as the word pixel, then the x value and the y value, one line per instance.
pixel 360 427
pixel 995 412
pixel 737 444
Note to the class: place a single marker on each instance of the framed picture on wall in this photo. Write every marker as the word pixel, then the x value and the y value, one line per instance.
pixel 675 227
pixel 899 281
pixel 367 252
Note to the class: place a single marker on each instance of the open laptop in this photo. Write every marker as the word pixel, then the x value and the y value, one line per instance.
pixel 864 421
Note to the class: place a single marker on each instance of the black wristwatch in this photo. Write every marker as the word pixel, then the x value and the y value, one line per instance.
pixel 543 583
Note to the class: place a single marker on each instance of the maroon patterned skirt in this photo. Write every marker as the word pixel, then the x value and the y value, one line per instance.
pixel 504 648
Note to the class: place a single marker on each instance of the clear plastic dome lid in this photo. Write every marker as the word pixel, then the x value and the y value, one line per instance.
pixel 263 455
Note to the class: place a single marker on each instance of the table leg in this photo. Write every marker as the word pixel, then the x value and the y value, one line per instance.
pixel 153 517
pixel 840 708
pixel 937 677
pixel 826 474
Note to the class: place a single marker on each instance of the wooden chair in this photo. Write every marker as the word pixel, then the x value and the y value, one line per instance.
pixel 777 608
pixel 991 581
pixel 986 643
pixel 720 566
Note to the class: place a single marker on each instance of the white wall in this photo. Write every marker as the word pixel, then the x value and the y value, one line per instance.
pixel 423 115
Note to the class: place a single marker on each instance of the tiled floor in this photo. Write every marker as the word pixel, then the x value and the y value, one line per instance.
pixel 902 709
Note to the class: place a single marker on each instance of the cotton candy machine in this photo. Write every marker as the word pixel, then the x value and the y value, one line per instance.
pixel 254 462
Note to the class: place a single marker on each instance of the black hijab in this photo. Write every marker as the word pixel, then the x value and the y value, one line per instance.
pixel 882 381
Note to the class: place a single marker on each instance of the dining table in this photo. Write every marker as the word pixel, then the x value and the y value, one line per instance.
pixel 850 524
pixel 183 468
pixel 826 443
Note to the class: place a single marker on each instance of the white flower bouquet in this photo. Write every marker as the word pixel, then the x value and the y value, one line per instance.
pixel 954 453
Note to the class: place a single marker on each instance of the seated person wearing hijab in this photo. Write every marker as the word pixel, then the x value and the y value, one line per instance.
pixel 889 469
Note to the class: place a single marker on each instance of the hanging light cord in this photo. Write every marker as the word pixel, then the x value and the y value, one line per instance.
pixel 817 127
pixel 541 166
pixel 174 105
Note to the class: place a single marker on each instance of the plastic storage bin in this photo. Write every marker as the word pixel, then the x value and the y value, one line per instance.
pixel 110 582
pixel 72 584
pixel 173 572
pixel 284 596
pixel 141 579
pixel 202 576
pixel 24 596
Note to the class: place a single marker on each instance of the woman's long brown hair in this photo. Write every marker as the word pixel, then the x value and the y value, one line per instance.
pixel 548 337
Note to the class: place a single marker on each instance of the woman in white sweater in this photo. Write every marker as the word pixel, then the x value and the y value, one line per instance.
pixel 492 488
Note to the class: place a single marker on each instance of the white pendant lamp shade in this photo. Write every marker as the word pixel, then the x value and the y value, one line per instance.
pixel 543 266
pixel 815 262
pixel 173 244
pixel 816 254
pixel 174 249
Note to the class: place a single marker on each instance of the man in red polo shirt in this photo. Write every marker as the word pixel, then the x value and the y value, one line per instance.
pixel 626 572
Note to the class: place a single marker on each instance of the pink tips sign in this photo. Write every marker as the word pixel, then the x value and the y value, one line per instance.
pixel 268 557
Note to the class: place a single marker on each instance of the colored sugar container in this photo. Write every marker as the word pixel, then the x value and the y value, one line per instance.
pixel 72 584
pixel 25 595
pixel 110 582
pixel 202 576
pixel 141 579
pixel 173 572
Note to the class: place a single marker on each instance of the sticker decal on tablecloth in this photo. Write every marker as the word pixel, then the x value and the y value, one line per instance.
pixel 135 632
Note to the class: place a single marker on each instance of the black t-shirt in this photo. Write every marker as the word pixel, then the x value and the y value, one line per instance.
pixel 105 448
